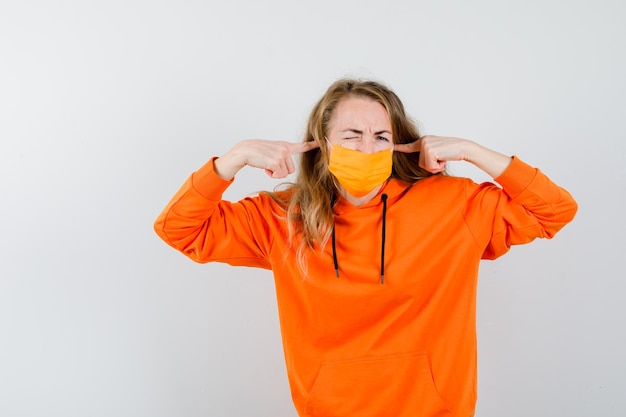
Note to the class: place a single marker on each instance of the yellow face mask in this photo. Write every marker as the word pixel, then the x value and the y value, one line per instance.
pixel 359 172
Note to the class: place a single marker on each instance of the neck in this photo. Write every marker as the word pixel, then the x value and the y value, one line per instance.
pixel 359 201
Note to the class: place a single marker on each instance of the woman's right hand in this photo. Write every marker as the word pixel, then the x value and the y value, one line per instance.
pixel 275 157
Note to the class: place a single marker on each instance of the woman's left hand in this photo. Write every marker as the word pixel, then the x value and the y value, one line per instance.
pixel 435 151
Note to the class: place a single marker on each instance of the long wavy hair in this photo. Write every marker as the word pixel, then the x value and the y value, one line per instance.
pixel 309 204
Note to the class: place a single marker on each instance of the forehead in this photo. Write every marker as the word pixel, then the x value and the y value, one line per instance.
pixel 360 113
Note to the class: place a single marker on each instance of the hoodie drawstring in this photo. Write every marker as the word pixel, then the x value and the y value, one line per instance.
pixel 335 262
pixel 382 246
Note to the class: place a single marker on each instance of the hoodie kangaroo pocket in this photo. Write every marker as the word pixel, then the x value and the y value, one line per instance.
pixel 390 386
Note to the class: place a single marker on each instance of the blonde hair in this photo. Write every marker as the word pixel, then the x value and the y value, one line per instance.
pixel 308 205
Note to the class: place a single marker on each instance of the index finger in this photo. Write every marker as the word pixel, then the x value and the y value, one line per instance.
pixel 302 147
pixel 411 147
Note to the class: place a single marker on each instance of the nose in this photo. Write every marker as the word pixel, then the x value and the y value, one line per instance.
pixel 367 145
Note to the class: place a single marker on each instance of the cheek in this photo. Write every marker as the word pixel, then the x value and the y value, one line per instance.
pixel 383 146
pixel 350 144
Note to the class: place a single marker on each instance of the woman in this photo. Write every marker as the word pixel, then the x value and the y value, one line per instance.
pixel 375 252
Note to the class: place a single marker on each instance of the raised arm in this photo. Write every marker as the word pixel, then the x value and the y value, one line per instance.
pixel 198 223
pixel 528 206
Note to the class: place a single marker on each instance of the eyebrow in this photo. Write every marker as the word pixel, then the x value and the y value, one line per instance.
pixel 360 132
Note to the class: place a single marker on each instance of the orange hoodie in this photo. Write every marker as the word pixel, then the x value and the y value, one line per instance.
pixel 355 345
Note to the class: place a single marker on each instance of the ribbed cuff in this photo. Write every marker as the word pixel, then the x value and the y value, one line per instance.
pixel 207 183
pixel 517 177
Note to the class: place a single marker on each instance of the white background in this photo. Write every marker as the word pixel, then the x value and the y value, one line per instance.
pixel 106 108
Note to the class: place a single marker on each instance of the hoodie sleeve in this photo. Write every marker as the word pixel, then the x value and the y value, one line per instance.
pixel 528 206
pixel 198 223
